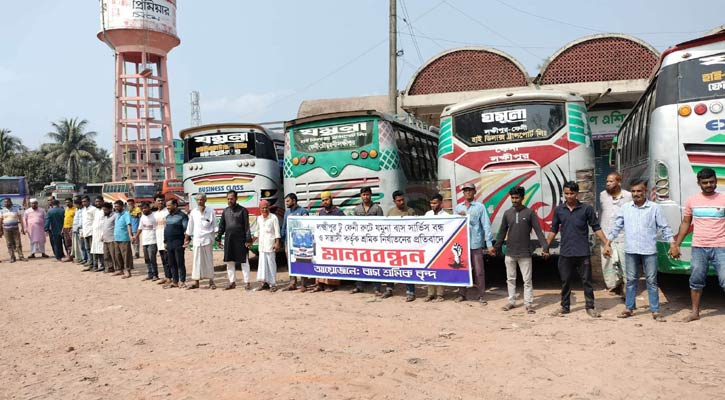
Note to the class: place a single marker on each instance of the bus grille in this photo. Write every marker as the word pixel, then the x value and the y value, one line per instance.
pixel 345 193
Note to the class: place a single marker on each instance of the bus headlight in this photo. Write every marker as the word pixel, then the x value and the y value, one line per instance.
pixel 354 155
pixel 363 154
pixel 310 160
pixel 662 181
pixel 373 153
pixel 295 161
pixel 303 160
pixel 251 163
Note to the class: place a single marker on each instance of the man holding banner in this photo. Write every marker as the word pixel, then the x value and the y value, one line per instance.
pixel 399 210
pixel 366 208
pixel 435 292
pixel 479 233
pixel 328 285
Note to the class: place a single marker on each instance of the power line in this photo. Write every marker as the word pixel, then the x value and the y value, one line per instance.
pixel 343 66
pixel 435 39
pixel 448 3
pixel 406 19
pixel 558 21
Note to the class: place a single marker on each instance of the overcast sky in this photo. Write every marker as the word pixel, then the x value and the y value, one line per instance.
pixel 255 61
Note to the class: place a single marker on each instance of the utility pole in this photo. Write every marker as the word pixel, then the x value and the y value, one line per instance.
pixel 393 67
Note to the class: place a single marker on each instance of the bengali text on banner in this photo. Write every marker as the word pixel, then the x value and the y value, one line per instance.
pixel 419 250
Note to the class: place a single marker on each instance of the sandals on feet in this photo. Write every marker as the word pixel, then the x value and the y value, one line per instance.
pixel 626 314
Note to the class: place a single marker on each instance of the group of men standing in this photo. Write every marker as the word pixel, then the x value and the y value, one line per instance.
pixel 103 236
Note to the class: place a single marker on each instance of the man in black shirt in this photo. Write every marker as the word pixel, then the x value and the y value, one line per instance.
pixel 176 223
pixel 516 226
pixel 574 219
pixel 234 226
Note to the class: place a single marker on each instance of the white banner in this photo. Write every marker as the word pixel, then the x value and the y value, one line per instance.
pixel 381 249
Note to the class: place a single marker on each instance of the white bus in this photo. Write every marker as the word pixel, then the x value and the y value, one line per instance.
pixel 234 156
pixel 538 139
pixel 676 129
pixel 342 152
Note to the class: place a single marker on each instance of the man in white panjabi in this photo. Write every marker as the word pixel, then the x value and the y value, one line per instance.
pixel 97 237
pixel 268 236
pixel 200 233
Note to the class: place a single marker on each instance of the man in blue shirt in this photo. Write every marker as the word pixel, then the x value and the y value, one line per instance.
pixel 574 218
pixel 641 220
pixel 123 256
pixel 479 234
pixel 290 201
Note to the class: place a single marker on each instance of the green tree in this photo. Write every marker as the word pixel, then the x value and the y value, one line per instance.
pixel 102 168
pixel 10 144
pixel 36 169
pixel 72 145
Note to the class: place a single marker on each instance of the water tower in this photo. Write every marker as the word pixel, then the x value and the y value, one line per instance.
pixel 141 32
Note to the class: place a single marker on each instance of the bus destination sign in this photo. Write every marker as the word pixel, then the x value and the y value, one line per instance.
pixel 334 137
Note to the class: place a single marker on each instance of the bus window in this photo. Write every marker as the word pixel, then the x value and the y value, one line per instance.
pixel 701 78
pixel 404 153
pixel 509 123
pixel 264 148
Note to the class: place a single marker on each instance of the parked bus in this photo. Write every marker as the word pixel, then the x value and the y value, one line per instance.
pixel 16 189
pixel 172 189
pixel 222 157
pixel 676 129
pixel 92 190
pixel 139 191
pixel 538 139
pixel 60 190
pixel 342 152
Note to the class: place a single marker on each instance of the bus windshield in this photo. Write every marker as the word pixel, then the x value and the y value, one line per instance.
pixel 9 186
pixel 228 145
pixel 147 190
pixel 509 123
pixel 702 78
pixel 334 137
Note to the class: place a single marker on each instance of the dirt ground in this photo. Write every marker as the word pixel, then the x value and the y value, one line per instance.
pixel 68 334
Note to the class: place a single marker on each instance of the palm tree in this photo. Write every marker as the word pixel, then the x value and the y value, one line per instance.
pixel 72 145
pixel 9 144
pixel 103 165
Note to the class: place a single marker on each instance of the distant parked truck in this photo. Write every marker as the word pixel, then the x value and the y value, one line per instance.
pixel 139 191
pixel 16 189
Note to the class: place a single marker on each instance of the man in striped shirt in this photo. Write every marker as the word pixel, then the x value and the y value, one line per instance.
pixel 641 219
pixel 706 212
